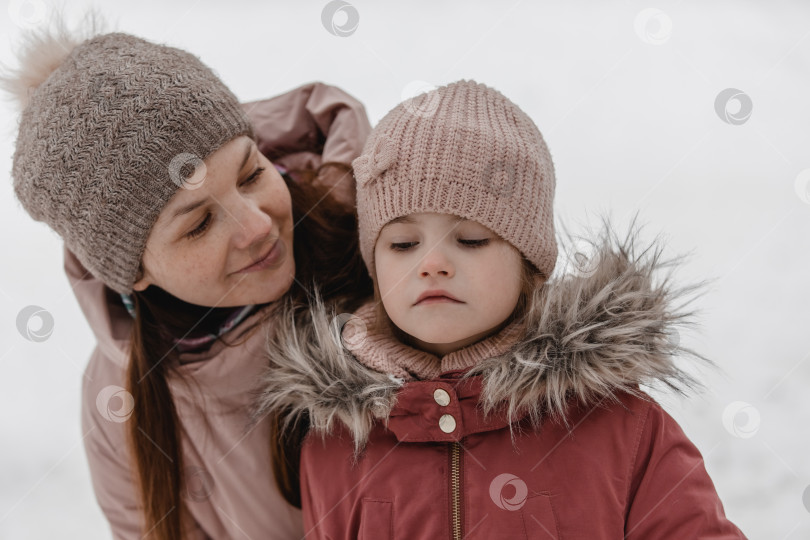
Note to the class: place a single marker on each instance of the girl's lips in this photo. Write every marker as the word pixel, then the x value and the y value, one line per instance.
pixel 436 295
pixel 272 260
pixel 437 300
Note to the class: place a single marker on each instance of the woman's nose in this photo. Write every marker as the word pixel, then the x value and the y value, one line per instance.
pixel 436 263
pixel 253 227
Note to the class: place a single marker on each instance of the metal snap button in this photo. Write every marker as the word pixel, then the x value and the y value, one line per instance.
pixel 447 423
pixel 442 397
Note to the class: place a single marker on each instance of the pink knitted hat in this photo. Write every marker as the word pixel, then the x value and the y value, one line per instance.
pixel 461 149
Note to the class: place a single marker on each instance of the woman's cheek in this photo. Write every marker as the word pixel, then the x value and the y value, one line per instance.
pixel 199 265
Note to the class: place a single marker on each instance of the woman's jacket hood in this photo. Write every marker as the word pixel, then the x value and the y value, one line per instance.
pixel 607 323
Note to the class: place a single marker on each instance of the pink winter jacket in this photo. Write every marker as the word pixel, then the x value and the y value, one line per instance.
pixel 572 447
pixel 232 493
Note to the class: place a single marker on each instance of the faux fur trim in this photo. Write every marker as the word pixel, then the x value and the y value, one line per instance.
pixel 312 377
pixel 601 326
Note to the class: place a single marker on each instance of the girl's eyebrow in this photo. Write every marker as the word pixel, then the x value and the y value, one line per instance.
pixel 402 219
pixel 408 220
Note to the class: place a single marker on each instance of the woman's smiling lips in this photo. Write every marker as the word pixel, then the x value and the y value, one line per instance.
pixel 272 259
pixel 436 296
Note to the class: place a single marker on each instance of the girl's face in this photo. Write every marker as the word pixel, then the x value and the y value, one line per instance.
pixel 471 276
pixel 226 237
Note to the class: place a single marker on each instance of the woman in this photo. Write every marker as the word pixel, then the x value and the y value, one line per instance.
pixel 180 234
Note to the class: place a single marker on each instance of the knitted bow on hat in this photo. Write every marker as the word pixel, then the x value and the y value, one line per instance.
pixel 370 166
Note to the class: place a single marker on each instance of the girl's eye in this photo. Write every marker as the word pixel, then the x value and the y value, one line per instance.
pixel 252 178
pixel 475 243
pixel 404 246
pixel 200 228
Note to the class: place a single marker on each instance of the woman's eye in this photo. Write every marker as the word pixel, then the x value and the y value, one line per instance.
pixel 475 243
pixel 253 177
pixel 200 228
pixel 402 246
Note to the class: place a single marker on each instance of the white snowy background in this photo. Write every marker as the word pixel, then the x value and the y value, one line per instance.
pixel 625 93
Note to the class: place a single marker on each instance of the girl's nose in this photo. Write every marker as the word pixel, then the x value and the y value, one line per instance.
pixel 436 263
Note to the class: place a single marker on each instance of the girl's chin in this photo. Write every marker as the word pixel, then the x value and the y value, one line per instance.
pixel 437 340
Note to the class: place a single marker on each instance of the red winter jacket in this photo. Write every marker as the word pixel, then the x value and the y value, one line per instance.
pixel 571 448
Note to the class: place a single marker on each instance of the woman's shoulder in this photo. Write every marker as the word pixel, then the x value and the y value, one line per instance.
pixel 106 406
pixel 102 308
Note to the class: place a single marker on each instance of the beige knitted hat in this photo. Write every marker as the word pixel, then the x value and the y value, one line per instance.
pixel 107 138
pixel 461 149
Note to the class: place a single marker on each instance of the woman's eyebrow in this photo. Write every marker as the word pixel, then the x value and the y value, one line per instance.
pixel 193 206
pixel 189 208
pixel 248 151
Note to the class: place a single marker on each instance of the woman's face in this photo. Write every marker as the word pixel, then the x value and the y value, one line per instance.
pixel 226 237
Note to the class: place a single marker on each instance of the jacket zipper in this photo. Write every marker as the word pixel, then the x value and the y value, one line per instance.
pixel 455 488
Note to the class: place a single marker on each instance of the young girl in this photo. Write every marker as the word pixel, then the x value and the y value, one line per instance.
pixel 473 397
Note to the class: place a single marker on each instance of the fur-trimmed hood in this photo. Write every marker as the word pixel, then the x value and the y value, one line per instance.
pixel 605 323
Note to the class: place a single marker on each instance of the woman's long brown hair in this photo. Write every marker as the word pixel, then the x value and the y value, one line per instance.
pixel 326 252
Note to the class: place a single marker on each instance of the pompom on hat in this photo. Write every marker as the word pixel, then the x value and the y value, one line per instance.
pixel 461 149
pixel 105 136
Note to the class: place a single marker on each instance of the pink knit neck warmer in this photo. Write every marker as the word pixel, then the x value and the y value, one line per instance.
pixel 383 352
